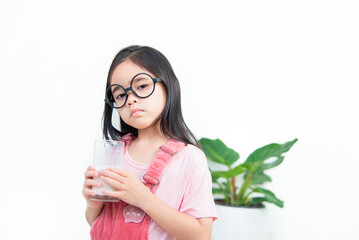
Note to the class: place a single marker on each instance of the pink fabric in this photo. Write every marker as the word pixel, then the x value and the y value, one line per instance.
pixel 113 222
pixel 185 186
pixel 163 157
pixel 110 225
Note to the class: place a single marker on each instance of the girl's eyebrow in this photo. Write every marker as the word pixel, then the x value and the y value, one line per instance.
pixel 116 88
pixel 139 79
pixel 128 84
pixel 136 80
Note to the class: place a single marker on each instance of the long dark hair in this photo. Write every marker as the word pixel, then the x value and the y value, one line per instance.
pixel 172 123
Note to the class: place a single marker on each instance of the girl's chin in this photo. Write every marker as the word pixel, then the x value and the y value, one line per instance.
pixel 145 126
pixel 140 123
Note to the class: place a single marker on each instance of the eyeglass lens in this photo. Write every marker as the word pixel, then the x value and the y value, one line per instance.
pixel 142 86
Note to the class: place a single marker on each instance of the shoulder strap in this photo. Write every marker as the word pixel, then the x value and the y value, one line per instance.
pixel 127 139
pixel 163 157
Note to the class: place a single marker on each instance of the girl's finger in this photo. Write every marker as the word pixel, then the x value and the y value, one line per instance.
pixel 90 167
pixel 112 175
pixel 93 173
pixel 88 192
pixel 111 194
pixel 90 182
pixel 113 183
pixel 119 171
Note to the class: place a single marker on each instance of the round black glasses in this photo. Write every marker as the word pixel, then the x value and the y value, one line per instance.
pixel 142 85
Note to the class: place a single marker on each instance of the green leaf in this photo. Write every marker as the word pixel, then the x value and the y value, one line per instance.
pixel 269 196
pixel 217 151
pixel 249 166
pixel 223 193
pixel 214 178
pixel 218 191
pixel 260 178
pixel 239 203
pixel 257 201
pixel 223 186
pixel 273 164
pixel 228 174
pixel 223 190
pixel 257 158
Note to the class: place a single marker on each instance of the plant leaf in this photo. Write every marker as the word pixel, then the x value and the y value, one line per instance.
pixel 249 166
pixel 269 197
pixel 230 173
pixel 217 151
pixel 222 189
pixel 260 178
pixel 223 193
pixel 257 158
pixel 238 203
pixel 273 164
pixel 223 186
pixel 257 201
pixel 218 191
pixel 214 178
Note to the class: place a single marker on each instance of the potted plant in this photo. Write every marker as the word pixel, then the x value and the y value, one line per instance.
pixel 241 188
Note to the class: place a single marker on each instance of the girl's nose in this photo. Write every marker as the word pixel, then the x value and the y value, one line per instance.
pixel 132 98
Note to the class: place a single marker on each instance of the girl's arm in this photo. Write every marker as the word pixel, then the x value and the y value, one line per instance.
pixel 93 207
pixel 180 225
pixel 132 191
pixel 92 214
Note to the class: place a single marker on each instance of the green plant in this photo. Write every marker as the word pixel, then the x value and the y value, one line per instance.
pixel 252 171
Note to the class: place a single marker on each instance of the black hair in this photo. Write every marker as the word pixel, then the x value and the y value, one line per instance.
pixel 172 123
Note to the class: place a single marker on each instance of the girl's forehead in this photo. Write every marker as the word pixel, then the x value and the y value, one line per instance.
pixel 125 71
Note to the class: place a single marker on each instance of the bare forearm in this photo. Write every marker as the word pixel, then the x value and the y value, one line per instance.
pixel 92 214
pixel 180 225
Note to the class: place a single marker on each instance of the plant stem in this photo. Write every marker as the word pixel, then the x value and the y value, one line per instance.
pixel 220 186
pixel 245 198
pixel 231 191
pixel 224 190
pixel 245 186
pixel 234 188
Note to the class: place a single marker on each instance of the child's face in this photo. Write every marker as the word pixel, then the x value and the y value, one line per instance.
pixel 138 112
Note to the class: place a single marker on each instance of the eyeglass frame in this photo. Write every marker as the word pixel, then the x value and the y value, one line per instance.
pixel 112 100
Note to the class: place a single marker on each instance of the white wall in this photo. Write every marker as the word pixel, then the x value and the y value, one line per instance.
pixel 251 72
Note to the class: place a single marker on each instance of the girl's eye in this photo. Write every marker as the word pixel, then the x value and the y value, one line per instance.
pixel 120 96
pixel 142 86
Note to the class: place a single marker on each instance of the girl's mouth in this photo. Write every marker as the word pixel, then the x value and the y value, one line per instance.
pixel 135 112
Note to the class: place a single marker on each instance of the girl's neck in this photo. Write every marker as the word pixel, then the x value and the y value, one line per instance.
pixel 145 147
pixel 151 134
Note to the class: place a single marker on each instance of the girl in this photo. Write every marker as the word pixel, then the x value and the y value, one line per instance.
pixel 164 185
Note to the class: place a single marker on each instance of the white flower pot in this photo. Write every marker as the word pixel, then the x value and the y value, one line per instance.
pixel 239 223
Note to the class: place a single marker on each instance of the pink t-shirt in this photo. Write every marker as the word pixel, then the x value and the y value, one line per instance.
pixel 185 185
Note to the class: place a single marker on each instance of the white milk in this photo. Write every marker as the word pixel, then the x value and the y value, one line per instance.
pixel 104 186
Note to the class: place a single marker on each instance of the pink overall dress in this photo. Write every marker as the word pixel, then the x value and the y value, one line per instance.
pixel 121 221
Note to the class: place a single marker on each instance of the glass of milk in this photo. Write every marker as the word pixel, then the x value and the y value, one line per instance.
pixel 106 153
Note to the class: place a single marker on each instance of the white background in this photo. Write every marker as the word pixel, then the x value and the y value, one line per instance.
pixel 251 73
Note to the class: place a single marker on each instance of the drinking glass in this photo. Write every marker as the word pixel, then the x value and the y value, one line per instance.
pixel 106 153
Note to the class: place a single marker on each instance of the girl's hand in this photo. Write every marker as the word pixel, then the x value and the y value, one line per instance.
pixel 87 191
pixel 128 187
